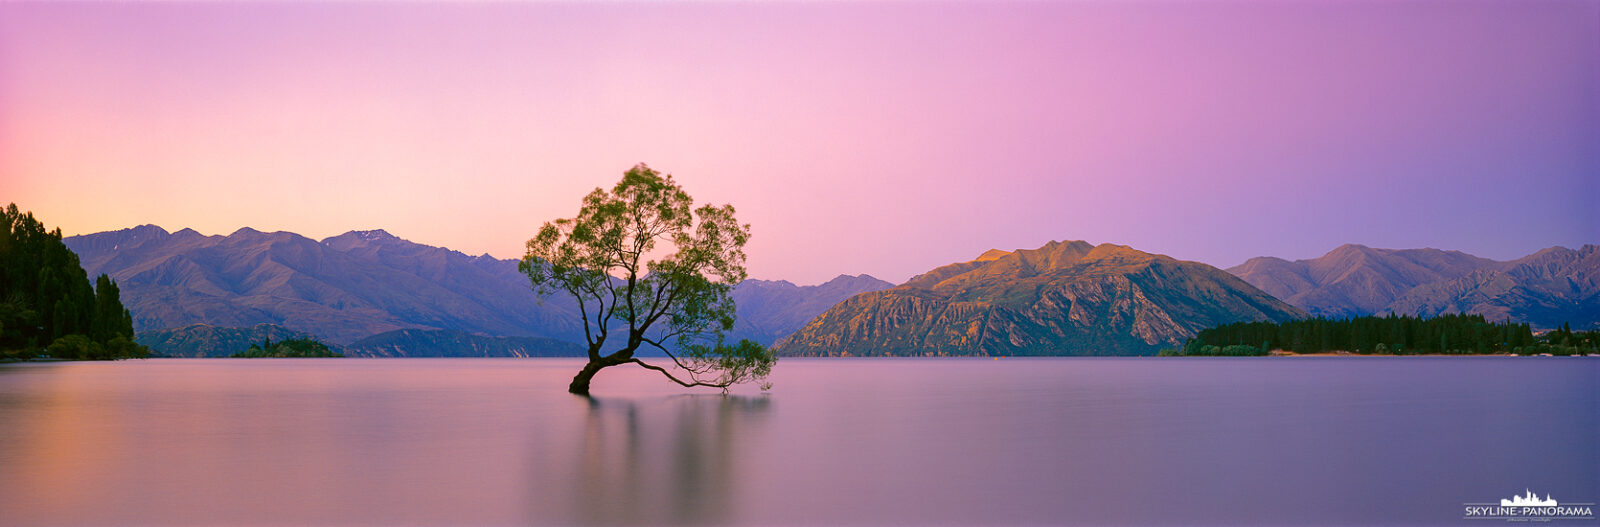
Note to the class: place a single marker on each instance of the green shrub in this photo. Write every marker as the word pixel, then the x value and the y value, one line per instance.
pixel 76 347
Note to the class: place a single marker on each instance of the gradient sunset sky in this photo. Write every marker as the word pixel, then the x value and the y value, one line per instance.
pixel 885 138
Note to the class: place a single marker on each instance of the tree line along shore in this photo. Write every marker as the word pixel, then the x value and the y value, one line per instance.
pixel 1389 335
pixel 48 306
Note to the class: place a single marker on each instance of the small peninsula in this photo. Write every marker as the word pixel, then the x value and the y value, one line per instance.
pixel 287 349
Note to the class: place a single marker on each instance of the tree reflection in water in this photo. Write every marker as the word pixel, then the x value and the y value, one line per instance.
pixel 665 461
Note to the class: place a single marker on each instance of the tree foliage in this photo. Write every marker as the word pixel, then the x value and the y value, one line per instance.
pixel 1390 335
pixel 1209 350
pixel 1564 341
pixel 287 348
pixel 648 268
pixel 46 297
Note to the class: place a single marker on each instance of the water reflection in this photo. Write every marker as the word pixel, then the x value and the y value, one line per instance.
pixel 853 442
pixel 665 461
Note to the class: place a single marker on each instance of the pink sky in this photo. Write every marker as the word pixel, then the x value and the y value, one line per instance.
pixel 880 138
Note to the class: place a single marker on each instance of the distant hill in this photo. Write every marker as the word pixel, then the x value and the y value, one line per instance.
pixel 341 289
pixel 1544 289
pixel 202 340
pixel 288 349
pixel 364 283
pixel 449 343
pixel 1065 298
pixel 1355 280
pixel 772 309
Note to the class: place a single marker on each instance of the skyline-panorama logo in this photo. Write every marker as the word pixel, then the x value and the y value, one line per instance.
pixel 1529 500
pixel 1528 506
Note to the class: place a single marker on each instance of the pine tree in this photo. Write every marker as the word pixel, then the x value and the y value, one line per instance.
pixel 45 296
pixel 111 320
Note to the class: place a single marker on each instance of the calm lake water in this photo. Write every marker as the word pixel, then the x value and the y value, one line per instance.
pixel 837 442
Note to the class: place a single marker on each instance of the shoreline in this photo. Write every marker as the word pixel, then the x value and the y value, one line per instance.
pixel 1281 353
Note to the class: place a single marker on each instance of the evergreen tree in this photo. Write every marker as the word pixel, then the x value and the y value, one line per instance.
pixel 1454 334
pixel 45 297
pixel 111 320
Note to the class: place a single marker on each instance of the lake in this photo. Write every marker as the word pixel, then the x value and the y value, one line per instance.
pixel 1138 441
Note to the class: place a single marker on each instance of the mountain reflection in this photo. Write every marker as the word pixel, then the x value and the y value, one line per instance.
pixel 665 461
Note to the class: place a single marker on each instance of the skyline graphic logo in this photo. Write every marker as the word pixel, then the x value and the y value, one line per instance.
pixel 1529 499
pixel 1528 506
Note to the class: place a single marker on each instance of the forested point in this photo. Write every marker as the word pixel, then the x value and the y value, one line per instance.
pixel 1390 335
pixel 48 308
pixel 287 349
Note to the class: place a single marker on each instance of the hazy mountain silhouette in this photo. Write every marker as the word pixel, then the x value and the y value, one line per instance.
pixel 341 289
pixel 202 340
pixel 450 343
pixel 772 309
pixel 363 283
pixel 1065 298
pixel 1545 289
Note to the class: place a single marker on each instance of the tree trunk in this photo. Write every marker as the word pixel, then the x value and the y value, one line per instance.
pixel 580 383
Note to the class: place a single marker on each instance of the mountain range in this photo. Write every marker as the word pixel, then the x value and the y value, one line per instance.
pixel 772 309
pixel 341 289
pixel 451 343
pixel 203 340
pixel 1065 298
pixel 197 295
pixel 1546 289
pixel 364 283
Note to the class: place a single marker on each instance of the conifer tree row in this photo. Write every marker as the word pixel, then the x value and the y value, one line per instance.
pixel 47 304
pixel 1389 335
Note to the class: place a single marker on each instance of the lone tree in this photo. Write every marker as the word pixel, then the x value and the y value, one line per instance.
pixel 677 303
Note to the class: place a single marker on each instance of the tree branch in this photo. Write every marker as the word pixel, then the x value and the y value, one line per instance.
pixel 693 372
pixel 600 310
pixel 664 306
pixel 724 384
pixel 607 320
pixel 587 337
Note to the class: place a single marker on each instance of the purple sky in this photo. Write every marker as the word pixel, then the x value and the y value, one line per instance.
pixel 881 138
